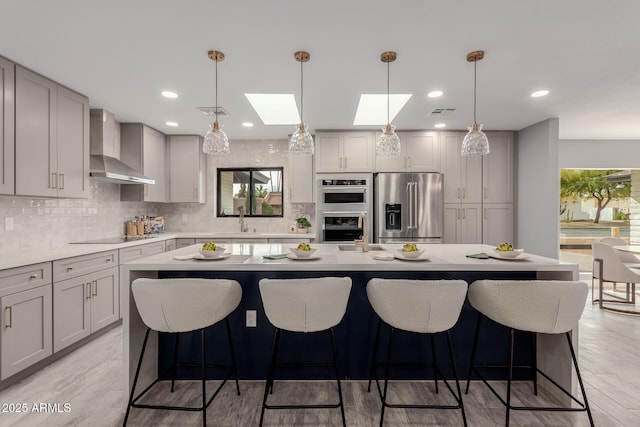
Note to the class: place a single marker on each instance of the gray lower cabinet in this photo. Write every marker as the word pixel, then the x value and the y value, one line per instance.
pixel 169 245
pixel 84 305
pixel 183 243
pixel 26 329
pixel 139 251
pixel 25 322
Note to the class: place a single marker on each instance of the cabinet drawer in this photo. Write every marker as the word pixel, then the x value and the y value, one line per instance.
pixel 22 278
pixel 73 267
pixel 140 251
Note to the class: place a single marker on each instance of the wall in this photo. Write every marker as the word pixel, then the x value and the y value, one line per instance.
pixel 538 189
pixel 55 222
pixel 244 153
pixel 599 154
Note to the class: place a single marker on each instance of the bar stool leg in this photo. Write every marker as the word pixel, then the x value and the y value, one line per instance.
pixel 455 373
pixel 534 367
pixel 372 372
pixel 575 364
pixel 175 362
pixel 135 378
pixel 233 356
pixel 271 372
pixel 510 373
pixel 473 352
pixel 433 356
pixel 335 364
pixel 203 371
pixel 386 375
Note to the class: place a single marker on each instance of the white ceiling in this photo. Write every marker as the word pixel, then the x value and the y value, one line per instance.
pixel 122 53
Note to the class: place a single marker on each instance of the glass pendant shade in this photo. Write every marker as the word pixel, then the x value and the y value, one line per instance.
pixel 301 142
pixel 388 143
pixel 475 142
pixel 216 141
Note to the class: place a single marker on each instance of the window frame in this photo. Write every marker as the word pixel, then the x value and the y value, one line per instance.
pixel 250 191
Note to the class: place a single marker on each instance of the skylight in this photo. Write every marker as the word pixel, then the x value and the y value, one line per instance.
pixel 372 108
pixel 275 108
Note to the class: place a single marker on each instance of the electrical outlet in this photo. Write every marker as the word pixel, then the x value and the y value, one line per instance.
pixel 252 318
pixel 8 223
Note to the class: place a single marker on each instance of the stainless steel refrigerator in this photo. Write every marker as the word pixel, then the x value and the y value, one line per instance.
pixel 408 207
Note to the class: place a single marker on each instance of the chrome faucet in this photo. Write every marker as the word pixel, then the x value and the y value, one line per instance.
pixel 362 223
pixel 244 227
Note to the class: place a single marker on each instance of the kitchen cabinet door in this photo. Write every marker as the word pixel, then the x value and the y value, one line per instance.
pixel 357 152
pixel 462 174
pixel 300 179
pixel 187 169
pixel 328 152
pixel 391 164
pixel 26 329
pixel 71 311
pixel 497 175
pixel 7 129
pixel 105 306
pixel 36 135
pixel 144 149
pixel 462 223
pixel 422 151
pixel 183 243
pixel 497 224
pixel 169 245
pixel 73 144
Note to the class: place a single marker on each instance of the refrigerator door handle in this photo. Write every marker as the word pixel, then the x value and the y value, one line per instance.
pixel 415 205
pixel 410 201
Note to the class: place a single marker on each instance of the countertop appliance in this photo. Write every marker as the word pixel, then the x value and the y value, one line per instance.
pixel 341 199
pixel 408 207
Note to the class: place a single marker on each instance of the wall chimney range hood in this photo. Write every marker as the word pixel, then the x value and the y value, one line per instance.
pixel 104 164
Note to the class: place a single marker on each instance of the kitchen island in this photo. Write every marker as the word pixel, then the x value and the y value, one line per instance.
pixel 247 265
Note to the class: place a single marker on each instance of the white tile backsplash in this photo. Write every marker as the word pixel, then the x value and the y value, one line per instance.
pixel 55 222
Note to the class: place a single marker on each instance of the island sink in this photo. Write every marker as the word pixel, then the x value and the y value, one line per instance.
pixel 354 248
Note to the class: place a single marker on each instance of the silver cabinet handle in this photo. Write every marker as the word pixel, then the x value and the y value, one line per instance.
pixel 88 290
pixel 485 213
pixel 107 260
pixel 9 324
pixel 33 276
pixel 70 268
pixel 464 214
pixel 95 285
pixel 54 180
pixel 61 181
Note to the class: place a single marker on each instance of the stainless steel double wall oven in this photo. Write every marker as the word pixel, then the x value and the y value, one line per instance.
pixel 341 199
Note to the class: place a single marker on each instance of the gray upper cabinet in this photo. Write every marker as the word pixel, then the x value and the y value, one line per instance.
pixel 7 134
pixel 497 171
pixel 419 152
pixel 144 149
pixel 52 138
pixel 187 169
pixel 344 152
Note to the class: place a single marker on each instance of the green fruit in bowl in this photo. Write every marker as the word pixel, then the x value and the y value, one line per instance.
pixel 209 246
pixel 409 247
pixel 505 247
pixel 304 247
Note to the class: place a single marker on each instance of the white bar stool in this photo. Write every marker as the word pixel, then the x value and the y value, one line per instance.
pixel 184 305
pixel 546 307
pixel 307 306
pixel 417 306
pixel 608 266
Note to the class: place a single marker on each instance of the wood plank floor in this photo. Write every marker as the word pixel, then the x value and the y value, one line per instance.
pixel 89 380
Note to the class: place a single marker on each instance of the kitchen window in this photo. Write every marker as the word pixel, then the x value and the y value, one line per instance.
pixel 255 192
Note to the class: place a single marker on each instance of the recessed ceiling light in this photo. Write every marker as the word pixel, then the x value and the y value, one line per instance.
pixel 435 94
pixel 539 93
pixel 372 108
pixel 440 125
pixel 275 108
pixel 247 124
pixel 169 94
pixel 171 124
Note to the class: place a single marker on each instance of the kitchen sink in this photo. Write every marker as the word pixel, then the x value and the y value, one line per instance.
pixel 354 248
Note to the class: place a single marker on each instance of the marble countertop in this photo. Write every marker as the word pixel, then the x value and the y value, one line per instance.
pixel 250 257
pixel 10 258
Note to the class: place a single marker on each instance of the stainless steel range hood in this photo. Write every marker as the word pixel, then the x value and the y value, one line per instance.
pixel 104 164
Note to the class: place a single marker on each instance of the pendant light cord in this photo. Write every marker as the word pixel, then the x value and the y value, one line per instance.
pixel 216 110
pixel 388 92
pixel 475 78
pixel 301 92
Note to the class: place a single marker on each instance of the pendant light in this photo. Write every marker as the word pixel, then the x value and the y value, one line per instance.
pixel 301 142
pixel 475 142
pixel 215 140
pixel 388 143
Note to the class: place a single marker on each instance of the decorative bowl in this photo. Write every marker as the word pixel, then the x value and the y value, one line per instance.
pixel 508 254
pixel 410 254
pixel 213 254
pixel 302 254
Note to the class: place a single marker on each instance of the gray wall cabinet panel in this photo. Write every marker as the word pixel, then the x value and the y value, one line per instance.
pixel 7 130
